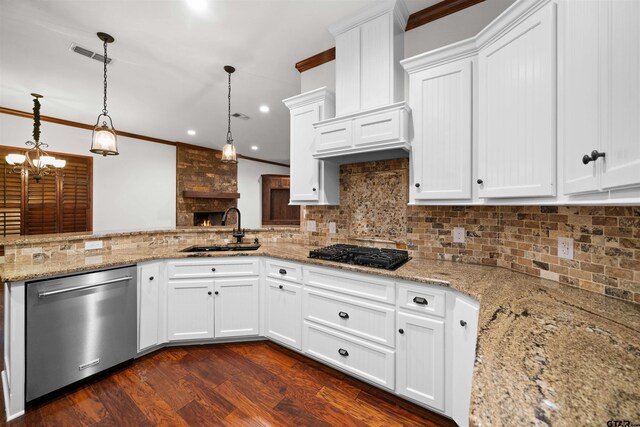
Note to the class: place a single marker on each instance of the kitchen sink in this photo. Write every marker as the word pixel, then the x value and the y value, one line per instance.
pixel 223 248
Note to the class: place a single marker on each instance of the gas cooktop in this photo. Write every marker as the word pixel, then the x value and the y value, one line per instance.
pixel 389 259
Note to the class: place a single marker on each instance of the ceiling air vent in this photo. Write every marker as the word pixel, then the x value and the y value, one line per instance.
pixel 240 116
pixel 88 53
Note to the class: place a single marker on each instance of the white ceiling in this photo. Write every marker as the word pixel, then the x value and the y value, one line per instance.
pixel 167 74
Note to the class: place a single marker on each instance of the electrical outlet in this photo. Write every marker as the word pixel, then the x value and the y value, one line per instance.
pixel 565 247
pixel 332 227
pixel 311 225
pixel 94 244
pixel 458 235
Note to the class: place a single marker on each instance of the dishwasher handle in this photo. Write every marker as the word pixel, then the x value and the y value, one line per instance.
pixel 82 287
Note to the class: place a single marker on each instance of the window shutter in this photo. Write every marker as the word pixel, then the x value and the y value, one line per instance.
pixel 41 210
pixel 10 200
pixel 76 202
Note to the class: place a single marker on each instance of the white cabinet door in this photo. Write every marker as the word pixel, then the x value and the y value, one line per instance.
pixel 622 146
pixel 304 168
pixel 420 359
pixel 348 72
pixel 441 104
pixel 237 308
pixel 579 106
pixel 463 333
pixel 284 312
pixel 149 287
pixel 517 146
pixel 190 309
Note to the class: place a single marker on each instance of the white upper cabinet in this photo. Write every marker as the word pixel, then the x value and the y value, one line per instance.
pixel 517 100
pixel 440 97
pixel 312 181
pixel 369 47
pixel 599 102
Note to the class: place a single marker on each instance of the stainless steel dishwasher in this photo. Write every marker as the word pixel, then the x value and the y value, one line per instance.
pixel 77 326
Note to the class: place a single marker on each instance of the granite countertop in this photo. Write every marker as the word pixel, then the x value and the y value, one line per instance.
pixel 547 354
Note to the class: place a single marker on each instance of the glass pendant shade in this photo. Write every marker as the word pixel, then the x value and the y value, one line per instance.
pixel 104 141
pixel 229 153
pixel 59 163
pixel 15 159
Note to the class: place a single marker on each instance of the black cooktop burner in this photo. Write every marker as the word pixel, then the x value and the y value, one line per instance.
pixel 389 259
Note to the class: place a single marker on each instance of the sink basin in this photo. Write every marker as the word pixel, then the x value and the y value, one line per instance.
pixel 223 248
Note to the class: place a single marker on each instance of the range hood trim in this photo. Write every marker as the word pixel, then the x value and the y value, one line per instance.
pixel 400 13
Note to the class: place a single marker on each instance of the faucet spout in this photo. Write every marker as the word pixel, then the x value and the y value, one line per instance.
pixel 239 232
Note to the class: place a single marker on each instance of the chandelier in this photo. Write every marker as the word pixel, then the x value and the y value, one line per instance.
pixel 103 138
pixel 229 151
pixel 35 161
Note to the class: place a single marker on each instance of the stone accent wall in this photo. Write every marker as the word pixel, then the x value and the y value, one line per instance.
pixel 520 238
pixel 201 170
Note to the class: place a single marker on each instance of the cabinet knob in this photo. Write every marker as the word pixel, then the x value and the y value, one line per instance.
pixel 282 271
pixel 420 300
pixel 463 323
pixel 209 292
pixel 213 269
pixel 479 181
pixel 343 315
pixel 281 287
pixel 216 292
pixel 314 189
pixel 151 277
pixel 343 352
pixel 417 185
pixel 595 155
pixel 401 331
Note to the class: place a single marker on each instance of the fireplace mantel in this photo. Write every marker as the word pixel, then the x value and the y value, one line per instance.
pixel 209 195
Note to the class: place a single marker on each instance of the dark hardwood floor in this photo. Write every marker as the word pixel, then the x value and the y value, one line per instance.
pixel 241 384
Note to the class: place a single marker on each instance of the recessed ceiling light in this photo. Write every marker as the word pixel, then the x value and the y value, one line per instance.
pixel 264 108
pixel 191 132
pixel 254 147
pixel 197 5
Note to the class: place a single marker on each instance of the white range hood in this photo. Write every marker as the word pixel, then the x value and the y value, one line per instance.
pixel 372 119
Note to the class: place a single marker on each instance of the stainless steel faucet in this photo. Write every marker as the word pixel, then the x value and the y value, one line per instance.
pixel 239 233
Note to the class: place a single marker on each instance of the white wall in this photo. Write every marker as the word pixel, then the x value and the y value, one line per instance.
pixel 250 189
pixel 135 190
pixel 450 29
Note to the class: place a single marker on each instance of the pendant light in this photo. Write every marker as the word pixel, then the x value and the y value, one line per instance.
pixel 104 138
pixel 35 161
pixel 229 151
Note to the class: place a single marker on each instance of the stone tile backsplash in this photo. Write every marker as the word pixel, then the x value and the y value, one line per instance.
pixel 521 238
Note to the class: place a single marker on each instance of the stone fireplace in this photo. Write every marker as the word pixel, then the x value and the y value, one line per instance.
pixel 207 219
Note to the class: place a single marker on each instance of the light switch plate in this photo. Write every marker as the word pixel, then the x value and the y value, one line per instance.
pixel 332 227
pixel 458 235
pixel 565 247
pixel 311 225
pixel 94 244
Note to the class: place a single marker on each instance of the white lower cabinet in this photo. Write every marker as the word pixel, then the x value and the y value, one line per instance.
pixel 236 308
pixel 150 313
pixel 190 309
pixel 283 308
pixel 421 359
pixel 371 362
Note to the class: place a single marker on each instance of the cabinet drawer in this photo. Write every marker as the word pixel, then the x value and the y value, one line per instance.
pixel 422 299
pixel 364 319
pixel 374 363
pixel 361 285
pixel 212 268
pixel 333 136
pixel 377 129
pixel 284 270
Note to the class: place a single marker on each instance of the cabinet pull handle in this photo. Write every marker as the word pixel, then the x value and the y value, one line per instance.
pixel 281 287
pixel 209 292
pixel 343 315
pixel 417 185
pixel 401 331
pixel 314 189
pixel 213 269
pixel 463 323
pixel 343 352
pixel 216 292
pixel 595 155
pixel 479 181
pixel 150 277
pixel 282 271
pixel 420 300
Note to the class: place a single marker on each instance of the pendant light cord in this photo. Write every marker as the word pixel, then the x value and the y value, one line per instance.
pixel 229 138
pixel 36 120
pixel 104 107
